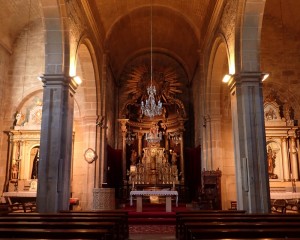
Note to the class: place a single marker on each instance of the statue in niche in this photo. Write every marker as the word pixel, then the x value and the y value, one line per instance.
pixel 270 114
pixel 20 119
pixel 271 163
pixel 14 171
pixel 35 165
pixel 133 157
pixel 165 170
pixel 174 158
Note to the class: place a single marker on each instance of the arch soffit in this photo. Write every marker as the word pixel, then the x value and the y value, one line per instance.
pixel 249 37
pixel 219 53
pixel 190 30
pixel 85 42
pixel 56 51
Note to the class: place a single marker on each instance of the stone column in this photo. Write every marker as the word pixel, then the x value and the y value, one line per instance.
pixel 124 131
pixel 294 159
pixel 182 159
pixel 166 141
pixel 285 160
pixel 182 150
pixel 56 143
pixel 253 192
pixel 140 145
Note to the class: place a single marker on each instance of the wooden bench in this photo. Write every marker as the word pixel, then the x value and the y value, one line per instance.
pixel 204 213
pixel 120 216
pixel 219 233
pixel 111 227
pixel 35 233
pixel 188 227
pixel 182 220
pixel 121 228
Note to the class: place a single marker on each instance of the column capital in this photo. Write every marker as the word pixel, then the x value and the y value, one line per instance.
pixel 245 78
pixel 52 80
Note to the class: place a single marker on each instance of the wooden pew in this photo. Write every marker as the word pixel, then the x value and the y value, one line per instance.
pixel 120 216
pixel 65 218
pixel 196 226
pixel 40 233
pixel 109 226
pixel 217 233
pixel 204 213
pixel 221 218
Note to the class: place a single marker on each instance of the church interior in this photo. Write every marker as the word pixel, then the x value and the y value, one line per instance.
pixel 102 98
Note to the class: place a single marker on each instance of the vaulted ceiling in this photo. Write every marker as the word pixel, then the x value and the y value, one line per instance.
pixel 178 26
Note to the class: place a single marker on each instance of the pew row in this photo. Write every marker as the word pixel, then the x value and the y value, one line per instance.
pixel 189 226
pixel 115 224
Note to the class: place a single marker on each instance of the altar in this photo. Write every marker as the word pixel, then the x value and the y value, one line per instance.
pixel 139 198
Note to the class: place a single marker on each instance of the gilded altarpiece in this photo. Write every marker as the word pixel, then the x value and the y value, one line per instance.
pixel 24 144
pixel 153 146
pixel 282 141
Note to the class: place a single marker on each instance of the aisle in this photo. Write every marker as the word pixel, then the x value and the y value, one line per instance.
pixel 153 223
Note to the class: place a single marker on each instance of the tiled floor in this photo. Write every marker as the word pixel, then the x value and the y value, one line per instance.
pixel 153 236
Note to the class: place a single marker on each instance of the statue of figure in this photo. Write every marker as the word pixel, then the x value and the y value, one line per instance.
pixel 271 163
pixel 133 157
pixel 20 119
pixel 14 171
pixel 270 114
pixel 174 158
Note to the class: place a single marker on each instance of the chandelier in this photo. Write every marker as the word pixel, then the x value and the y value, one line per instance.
pixel 150 108
pixel 130 137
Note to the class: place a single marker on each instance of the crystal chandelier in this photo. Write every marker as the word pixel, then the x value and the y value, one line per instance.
pixel 150 108
pixel 130 137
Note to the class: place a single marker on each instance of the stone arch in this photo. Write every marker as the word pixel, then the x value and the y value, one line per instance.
pixel 56 48
pixel 248 35
pixel 85 116
pixel 218 152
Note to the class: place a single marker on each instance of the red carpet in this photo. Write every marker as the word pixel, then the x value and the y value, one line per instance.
pixel 154 218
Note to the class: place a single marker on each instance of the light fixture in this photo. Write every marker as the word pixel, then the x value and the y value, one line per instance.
pixel 77 79
pixel 130 137
pixel 175 137
pixel 264 76
pixel 227 78
pixel 150 108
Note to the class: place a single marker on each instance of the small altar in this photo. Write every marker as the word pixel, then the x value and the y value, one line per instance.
pixel 168 194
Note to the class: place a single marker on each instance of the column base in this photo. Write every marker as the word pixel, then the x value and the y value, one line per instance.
pixel 104 199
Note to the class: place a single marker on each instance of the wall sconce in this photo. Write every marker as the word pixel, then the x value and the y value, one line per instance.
pixel 264 76
pixel 227 78
pixel 77 79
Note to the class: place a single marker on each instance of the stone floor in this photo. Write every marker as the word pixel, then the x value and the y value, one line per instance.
pixel 153 236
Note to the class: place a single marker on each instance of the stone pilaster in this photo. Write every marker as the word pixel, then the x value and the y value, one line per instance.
pixel 56 143
pixel 253 192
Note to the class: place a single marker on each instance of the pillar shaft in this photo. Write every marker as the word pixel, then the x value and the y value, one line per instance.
pixel 56 143
pixel 253 192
